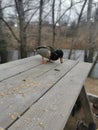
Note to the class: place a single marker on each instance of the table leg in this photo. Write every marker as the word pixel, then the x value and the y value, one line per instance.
pixel 86 107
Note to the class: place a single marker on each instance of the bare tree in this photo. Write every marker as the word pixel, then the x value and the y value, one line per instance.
pixel 40 22
pixel 90 52
pixel 22 34
pixel 23 24
pixel 76 27
pixel 53 22
pixel 3 43
pixel 1 24
pixel 59 14
pixel 81 12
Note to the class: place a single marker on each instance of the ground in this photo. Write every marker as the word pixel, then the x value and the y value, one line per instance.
pixel 91 86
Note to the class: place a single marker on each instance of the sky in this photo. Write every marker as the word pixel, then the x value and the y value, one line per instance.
pixel 66 3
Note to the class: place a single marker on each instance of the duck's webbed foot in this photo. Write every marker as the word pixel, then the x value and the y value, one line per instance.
pixel 51 61
pixel 43 61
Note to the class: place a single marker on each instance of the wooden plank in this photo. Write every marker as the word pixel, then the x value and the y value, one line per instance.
pixel 21 66
pixel 15 63
pixel 86 107
pixel 24 77
pixel 52 111
pixel 23 96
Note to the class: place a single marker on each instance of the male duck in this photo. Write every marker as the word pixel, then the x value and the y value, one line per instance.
pixel 50 53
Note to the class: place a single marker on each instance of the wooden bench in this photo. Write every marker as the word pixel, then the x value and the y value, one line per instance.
pixel 34 96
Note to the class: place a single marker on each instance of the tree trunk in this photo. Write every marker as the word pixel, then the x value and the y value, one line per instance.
pixel 59 12
pixel 40 23
pixel 85 56
pixel 3 43
pixel 23 37
pixel 90 33
pixel 53 23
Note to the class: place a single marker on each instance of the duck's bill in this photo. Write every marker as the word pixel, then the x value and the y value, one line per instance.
pixel 61 60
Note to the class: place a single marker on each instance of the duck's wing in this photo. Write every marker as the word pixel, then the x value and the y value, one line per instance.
pixel 47 47
pixel 43 51
pixel 51 48
pixel 43 48
pixel 40 47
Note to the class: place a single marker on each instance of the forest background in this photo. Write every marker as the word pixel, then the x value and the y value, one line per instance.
pixel 66 24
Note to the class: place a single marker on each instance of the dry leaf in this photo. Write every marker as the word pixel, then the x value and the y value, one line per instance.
pixel 41 124
pixel 15 115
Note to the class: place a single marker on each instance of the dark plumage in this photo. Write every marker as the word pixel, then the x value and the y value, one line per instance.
pixel 50 53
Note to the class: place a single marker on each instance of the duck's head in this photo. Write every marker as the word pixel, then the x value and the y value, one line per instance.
pixel 56 55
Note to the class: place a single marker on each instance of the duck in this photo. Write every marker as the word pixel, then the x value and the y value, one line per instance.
pixel 50 53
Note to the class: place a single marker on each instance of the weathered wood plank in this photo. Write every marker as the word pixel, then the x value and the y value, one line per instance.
pixel 24 77
pixel 15 63
pixel 52 111
pixel 86 107
pixel 20 98
pixel 19 67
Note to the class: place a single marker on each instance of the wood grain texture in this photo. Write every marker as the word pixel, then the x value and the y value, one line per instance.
pixel 11 69
pixel 52 111
pixel 16 62
pixel 20 95
pixel 86 107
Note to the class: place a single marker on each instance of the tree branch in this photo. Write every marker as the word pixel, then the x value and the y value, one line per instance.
pixel 10 29
pixel 71 5
pixel 8 6
pixel 30 19
pixel 79 18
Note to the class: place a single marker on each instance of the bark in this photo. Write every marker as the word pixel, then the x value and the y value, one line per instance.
pixel 90 33
pixel 22 31
pixel 3 43
pixel 59 11
pixel 1 24
pixel 70 53
pixel 22 39
pixel 10 29
pixel 40 23
pixel 53 23
pixel 81 12
pixel 85 55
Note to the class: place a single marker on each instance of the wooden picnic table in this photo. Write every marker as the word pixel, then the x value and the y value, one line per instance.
pixel 35 96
